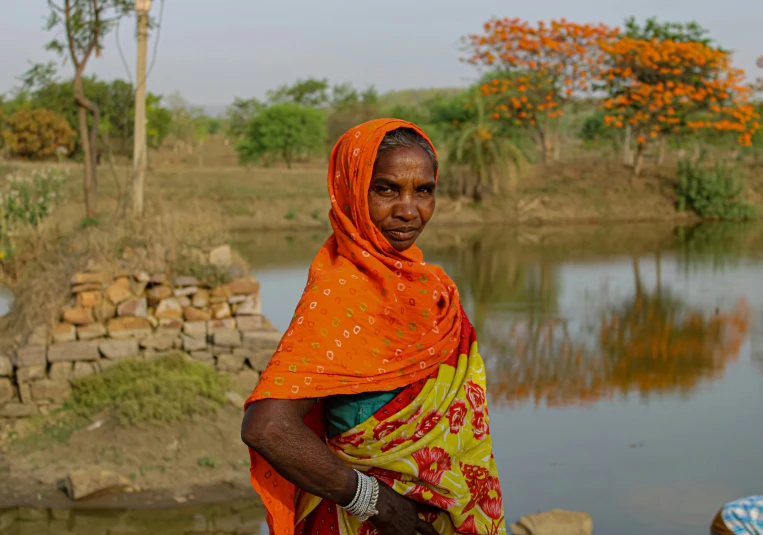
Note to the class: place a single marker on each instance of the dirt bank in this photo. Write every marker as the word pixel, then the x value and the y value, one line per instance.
pixel 201 460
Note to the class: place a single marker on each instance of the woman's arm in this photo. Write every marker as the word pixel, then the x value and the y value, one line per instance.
pixel 274 428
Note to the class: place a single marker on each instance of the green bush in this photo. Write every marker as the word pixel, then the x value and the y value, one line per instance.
pixel 712 193
pixel 164 390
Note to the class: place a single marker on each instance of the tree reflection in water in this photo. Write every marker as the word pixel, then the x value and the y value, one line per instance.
pixel 652 343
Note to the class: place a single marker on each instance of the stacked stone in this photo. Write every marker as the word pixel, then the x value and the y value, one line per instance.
pixel 141 316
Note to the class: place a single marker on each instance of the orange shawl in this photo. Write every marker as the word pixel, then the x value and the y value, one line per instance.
pixel 370 318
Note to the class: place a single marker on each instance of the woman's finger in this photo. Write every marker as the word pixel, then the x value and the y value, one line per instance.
pixel 425 528
pixel 427 508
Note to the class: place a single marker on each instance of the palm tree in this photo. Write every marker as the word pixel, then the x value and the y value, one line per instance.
pixel 489 156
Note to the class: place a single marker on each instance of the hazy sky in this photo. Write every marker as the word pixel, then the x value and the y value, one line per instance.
pixel 214 50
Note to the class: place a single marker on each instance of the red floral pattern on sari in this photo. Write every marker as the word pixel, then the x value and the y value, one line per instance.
pixel 433 463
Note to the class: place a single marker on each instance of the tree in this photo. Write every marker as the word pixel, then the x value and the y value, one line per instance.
pixel 84 24
pixel 311 92
pixel 284 131
pixel 159 120
pixel 491 158
pixel 240 114
pixel 541 69
pixel 38 134
pixel 672 87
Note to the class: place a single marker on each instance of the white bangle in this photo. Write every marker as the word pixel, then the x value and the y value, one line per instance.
pixel 363 505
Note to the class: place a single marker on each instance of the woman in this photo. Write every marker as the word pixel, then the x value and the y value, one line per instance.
pixel 371 416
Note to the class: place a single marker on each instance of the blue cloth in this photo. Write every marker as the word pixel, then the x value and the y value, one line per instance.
pixel 346 411
pixel 745 516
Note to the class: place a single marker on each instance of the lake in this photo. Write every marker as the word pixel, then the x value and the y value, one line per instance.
pixel 625 365
pixel 626 375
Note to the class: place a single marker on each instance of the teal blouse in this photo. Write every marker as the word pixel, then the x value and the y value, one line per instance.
pixel 344 412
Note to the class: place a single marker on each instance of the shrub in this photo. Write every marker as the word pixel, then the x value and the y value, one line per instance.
pixel 164 390
pixel 37 134
pixel 712 193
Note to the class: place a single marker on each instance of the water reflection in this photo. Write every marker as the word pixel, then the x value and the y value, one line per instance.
pixel 648 341
pixel 239 517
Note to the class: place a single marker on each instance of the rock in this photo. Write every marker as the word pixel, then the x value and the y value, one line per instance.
pixel 135 307
pixel 119 349
pixel 193 344
pixel 64 332
pixel 556 522
pixel 79 316
pixel 195 329
pixel 82 483
pixel 25 393
pixel 151 319
pixel 73 351
pixel 129 327
pixel 221 256
pixel 236 299
pixel 259 359
pixel 137 288
pixel 107 364
pixel 119 291
pixel 252 306
pixel 250 323
pixel 169 308
pixel 243 352
pixel 152 354
pixel 157 293
pixel 221 311
pixel 83 369
pixel 200 299
pixel 245 381
pixel 183 281
pixel 87 287
pixel 142 276
pixel 7 391
pixel 61 371
pixel 227 338
pixel 184 301
pixel 6 367
pixel 54 391
pixel 202 356
pixel 158 342
pixel 39 336
pixel 105 311
pixel 195 314
pixel 29 356
pixel 30 373
pixel 262 340
pixel 226 324
pixel 245 286
pixel 170 326
pixel 92 278
pixel 91 332
pixel 18 410
pixel 230 363
pixel 235 399
pixel 185 292
pixel 158 278
pixel 89 299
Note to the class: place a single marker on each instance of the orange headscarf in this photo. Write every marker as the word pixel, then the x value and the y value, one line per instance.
pixel 371 318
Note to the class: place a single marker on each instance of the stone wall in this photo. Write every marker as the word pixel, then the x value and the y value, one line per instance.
pixel 136 315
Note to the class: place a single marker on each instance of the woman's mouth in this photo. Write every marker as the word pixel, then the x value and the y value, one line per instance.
pixel 403 234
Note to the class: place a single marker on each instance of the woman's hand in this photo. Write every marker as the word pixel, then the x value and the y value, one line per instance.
pixel 400 516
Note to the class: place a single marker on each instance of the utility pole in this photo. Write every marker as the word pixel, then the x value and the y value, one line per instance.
pixel 140 150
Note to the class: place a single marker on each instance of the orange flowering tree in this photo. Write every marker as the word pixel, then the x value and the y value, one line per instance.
pixel 669 87
pixel 537 70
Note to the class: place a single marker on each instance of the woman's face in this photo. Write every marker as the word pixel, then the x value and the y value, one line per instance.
pixel 401 198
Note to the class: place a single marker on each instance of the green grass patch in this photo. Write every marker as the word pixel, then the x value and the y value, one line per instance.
pixel 169 389
pixel 164 390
